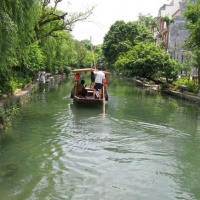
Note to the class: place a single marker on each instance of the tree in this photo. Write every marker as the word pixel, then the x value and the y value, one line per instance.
pixel 8 36
pixel 91 56
pixel 52 20
pixel 34 34
pixel 122 37
pixel 81 52
pixel 192 14
pixel 17 18
pixel 87 44
pixel 59 51
pixel 147 61
pixel 148 21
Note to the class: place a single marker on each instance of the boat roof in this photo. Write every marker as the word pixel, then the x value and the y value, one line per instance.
pixel 87 70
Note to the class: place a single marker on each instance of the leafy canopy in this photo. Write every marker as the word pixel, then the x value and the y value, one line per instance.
pixel 192 14
pixel 146 60
pixel 122 37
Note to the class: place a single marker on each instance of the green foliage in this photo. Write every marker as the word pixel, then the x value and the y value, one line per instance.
pixel 4 81
pixel 192 85
pixel 81 53
pixel 100 58
pixel 146 60
pixel 7 114
pixel 33 57
pixel 192 14
pixel 18 19
pixel 18 81
pixel 147 20
pixel 8 31
pixel 87 61
pixel 122 37
pixel 53 20
pixel 33 36
pixel 167 20
pixel 196 56
pixel 87 44
pixel 64 49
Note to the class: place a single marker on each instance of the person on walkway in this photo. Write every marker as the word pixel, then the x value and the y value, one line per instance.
pixel 43 76
pixel 38 75
pixel 99 80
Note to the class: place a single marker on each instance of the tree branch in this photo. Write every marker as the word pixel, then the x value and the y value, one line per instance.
pixel 58 20
pixel 55 18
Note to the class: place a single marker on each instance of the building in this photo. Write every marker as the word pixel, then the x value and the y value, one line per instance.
pixel 173 33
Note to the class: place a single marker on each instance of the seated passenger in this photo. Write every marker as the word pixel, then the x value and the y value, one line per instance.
pixel 81 88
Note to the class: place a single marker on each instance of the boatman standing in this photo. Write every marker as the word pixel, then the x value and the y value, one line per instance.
pixel 99 80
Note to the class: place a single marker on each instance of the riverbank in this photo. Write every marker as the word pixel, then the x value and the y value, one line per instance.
pixel 26 92
pixel 10 104
pixel 179 94
pixel 18 95
pixel 183 95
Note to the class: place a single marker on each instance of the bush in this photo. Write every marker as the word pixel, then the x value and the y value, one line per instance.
pixel 192 85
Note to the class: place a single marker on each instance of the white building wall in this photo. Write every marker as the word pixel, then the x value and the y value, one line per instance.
pixel 171 9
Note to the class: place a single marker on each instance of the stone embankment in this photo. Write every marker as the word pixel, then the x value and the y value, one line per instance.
pixel 28 91
pixel 182 94
pixel 25 93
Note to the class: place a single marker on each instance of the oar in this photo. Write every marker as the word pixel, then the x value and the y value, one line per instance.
pixel 103 93
pixel 104 107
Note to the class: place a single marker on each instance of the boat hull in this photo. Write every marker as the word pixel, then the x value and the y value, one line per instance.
pixel 87 100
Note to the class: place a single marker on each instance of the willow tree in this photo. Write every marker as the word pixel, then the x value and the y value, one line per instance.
pixel 81 53
pixel 52 31
pixel 52 20
pixel 59 51
pixel 49 29
pixel 8 41
pixel 24 24
pixel 17 19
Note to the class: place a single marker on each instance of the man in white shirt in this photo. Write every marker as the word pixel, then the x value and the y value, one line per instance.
pixel 99 80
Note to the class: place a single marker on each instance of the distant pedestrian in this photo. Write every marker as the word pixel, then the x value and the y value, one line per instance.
pixel 43 76
pixel 38 75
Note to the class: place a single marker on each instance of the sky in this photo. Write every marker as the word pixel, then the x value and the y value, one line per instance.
pixel 106 13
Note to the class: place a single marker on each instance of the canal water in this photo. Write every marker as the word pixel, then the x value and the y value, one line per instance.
pixel 139 145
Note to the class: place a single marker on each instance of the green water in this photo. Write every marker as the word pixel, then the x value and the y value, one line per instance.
pixel 140 145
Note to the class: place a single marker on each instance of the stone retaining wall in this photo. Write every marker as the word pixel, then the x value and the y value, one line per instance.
pixel 182 95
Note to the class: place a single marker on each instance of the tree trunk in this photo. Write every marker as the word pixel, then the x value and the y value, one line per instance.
pixel 198 76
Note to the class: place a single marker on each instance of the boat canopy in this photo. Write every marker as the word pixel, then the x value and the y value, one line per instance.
pixel 87 70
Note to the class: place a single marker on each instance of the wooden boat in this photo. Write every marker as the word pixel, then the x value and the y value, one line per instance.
pixel 88 98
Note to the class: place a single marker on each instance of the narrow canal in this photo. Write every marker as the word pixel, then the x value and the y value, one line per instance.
pixel 138 146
